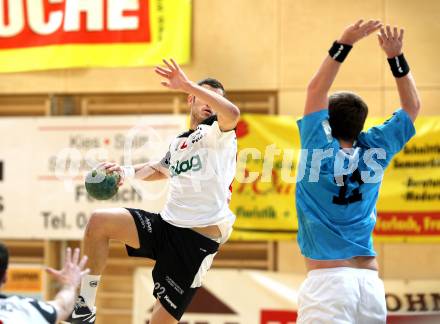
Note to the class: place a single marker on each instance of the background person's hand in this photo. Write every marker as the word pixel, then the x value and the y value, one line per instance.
pixel 391 40
pixel 359 30
pixel 72 271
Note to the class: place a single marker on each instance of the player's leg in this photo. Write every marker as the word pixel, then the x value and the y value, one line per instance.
pixel 160 315
pixel 184 256
pixel 104 224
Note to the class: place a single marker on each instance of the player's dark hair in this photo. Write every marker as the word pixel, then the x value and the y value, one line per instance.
pixel 4 260
pixel 214 83
pixel 347 114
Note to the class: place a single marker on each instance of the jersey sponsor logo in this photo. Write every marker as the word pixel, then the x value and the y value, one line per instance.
pixel 192 164
pixel 399 68
pixel 149 227
pixel 197 137
pixel 183 146
pixel 145 223
pixel 168 300
pixel 340 49
pixel 173 284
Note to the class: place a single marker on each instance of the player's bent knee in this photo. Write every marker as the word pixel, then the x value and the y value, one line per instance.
pixel 113 223
pixel 97 223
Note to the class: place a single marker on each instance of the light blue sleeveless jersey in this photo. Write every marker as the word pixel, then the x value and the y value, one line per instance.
pixel 337 210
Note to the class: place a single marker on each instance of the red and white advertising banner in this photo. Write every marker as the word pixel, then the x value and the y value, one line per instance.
pixel 51 34
pixel 262 297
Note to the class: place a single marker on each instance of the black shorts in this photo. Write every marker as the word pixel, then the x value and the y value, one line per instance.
pixel 179 253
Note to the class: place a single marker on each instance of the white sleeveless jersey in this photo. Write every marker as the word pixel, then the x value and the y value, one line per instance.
pixel 201 164
pixel 23 310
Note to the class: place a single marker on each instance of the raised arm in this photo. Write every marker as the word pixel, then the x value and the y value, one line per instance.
pixel 317 90
pixel 391 42
pixel 70 278
pixel 227 113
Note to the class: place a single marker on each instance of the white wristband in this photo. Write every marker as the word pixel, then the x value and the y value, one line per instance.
pixel 129 171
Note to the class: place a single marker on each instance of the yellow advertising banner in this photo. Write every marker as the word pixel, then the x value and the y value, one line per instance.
pixel 263 194
pixel 409 200
pixel 42 35
pixel 264 190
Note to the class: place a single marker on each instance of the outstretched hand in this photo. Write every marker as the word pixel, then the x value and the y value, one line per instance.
pixel 174 75
pixel 391 41
pixel 359 30
pixel 72 271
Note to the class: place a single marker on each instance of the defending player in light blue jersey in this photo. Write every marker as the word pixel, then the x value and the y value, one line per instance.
pixel 336 197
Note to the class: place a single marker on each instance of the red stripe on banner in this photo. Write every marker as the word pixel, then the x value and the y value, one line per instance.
pixel 103 127
pixel 413 319
pixel 290 317
pixel 94 26
pixel 55 178
pixel 408 223
pixel 278 317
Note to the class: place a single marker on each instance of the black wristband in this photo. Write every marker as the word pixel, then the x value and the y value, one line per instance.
pixel 399 66
pixel 339 51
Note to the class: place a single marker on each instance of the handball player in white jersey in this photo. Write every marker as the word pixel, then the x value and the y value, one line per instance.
pixel 184 238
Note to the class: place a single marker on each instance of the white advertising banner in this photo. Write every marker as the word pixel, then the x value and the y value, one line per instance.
pixel 43 162
pixel 262 297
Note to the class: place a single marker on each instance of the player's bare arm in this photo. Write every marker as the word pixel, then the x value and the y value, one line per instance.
pixel 227 113
pixel 317 90
pixel 70 278
pixel 391 41
pixel 149 171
